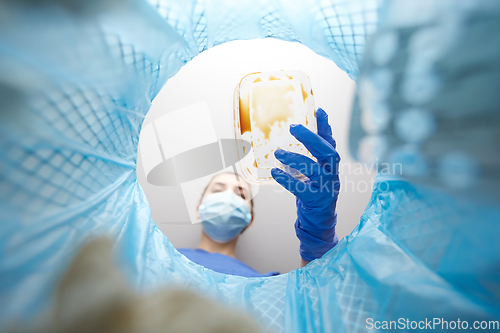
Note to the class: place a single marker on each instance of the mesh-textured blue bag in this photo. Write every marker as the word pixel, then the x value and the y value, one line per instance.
pixel 76 81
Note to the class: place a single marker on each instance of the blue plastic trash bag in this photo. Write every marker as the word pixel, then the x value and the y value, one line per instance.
pixel 77 79
pixel 428 97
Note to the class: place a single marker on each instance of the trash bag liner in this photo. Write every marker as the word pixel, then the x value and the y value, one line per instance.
pixel 77 79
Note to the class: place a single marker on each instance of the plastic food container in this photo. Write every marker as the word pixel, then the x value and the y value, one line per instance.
pixel 265 104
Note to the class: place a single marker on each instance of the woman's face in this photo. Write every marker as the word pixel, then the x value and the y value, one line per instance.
pixel 228 181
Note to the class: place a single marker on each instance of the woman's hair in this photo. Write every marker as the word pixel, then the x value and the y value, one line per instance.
pixel 224 173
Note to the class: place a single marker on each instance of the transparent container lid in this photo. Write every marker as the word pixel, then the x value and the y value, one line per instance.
pixel 265 105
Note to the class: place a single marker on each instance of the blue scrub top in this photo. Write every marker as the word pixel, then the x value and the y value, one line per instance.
pixel 222 263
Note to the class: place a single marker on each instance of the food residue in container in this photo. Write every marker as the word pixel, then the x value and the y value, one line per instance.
pixel 270 106
pixel 244 116
pixel 267 103
pixel 304 93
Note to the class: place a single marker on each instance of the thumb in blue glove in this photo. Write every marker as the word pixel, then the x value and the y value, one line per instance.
pixel 316 197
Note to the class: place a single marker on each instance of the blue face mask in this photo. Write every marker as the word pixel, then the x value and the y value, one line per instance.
pixel 224 216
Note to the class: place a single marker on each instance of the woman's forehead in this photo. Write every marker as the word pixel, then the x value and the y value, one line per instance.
pixel 229 180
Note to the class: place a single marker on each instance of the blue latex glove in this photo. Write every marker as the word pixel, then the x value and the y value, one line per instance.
pixel 317 196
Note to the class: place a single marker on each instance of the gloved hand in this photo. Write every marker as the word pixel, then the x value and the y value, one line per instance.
pixel 317 196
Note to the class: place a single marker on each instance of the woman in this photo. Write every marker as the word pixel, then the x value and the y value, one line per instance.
pixel 226 210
